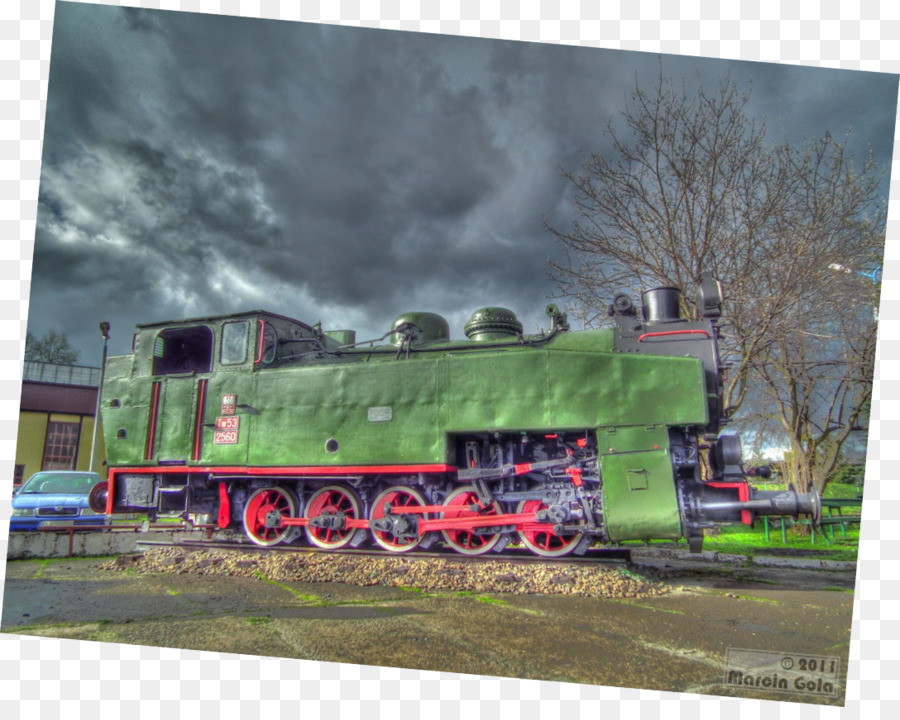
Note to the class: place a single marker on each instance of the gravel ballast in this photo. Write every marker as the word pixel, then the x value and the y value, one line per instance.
pixel 430 574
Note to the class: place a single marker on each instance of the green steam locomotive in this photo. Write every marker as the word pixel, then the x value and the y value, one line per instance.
pixel 554 441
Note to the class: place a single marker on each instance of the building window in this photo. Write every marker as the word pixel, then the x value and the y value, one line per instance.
pixel 19 475
pixel 61 446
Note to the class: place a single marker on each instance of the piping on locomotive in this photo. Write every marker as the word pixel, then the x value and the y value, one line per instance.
pixel 554 441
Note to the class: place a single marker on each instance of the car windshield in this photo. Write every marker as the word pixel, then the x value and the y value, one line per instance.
pixel 76 483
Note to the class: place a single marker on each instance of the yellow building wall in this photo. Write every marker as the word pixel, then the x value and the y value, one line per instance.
pixel 33 434
pixel 30 443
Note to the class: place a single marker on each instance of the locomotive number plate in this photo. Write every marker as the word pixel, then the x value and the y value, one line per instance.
pixel 228 423
pixel 226 432
pixel 225 437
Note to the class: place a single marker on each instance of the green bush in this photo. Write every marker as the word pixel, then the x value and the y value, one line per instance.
pixel 849 475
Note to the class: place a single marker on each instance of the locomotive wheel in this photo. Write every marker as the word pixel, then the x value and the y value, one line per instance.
pixel 468 542
pixel 331 500
pixel 541 542
pixel 259 505
pixel 397 498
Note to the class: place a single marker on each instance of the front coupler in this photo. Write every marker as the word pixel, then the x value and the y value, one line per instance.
pixel 762 503
pixel 730 497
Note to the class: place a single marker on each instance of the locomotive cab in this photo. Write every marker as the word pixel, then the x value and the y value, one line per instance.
pixel 200 345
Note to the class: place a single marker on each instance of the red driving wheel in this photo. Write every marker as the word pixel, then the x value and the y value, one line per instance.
pixel 332 501
pixel 262 502
pixel 459 504
pixel 396 498
pixel 541 541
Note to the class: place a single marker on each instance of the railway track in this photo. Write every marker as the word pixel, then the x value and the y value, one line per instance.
pixel 604 556
pixel 443 574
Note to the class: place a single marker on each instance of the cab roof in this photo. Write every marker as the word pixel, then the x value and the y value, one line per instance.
pixel 221 318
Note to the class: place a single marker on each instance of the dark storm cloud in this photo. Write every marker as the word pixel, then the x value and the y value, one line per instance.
pixel 200 164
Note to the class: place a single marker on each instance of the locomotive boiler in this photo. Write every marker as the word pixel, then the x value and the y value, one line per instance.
pixel 552 441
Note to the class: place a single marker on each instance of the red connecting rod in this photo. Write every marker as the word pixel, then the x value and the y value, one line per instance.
pixel 524 521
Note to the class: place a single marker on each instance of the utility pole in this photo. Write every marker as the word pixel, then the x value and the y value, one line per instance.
pixel 104 331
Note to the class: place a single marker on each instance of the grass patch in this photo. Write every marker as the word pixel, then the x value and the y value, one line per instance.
pixel 745 540
pixel 758 599
pixel 418 591
pixel 253 620
pixel 841 490
pixel 374 604
pixel 41 567
pixel 302 597
pixel 501 603
pixel 491 600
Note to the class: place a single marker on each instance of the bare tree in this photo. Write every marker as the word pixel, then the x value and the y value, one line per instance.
pixel 817 378
pixel 692 184
pixel 53 348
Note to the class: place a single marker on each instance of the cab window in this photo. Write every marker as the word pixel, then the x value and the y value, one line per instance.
pixel 235 337
pixel 183 350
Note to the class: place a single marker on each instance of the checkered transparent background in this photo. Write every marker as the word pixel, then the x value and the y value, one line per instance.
pixel 51 678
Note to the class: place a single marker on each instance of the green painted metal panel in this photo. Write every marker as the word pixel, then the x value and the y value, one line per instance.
pixel 639 496
pixel 559 389
pixel 498 390
pixel 638 438
pixel 622 389
pixel 241 385
pixel 174 433
pixel 585 340
pixel 124 410
pixel 378 412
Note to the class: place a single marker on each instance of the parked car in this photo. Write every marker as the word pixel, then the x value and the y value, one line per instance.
pixel 57 497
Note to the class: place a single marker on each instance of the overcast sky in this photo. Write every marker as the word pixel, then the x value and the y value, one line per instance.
pixel 199 165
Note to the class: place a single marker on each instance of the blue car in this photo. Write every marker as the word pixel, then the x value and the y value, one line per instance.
pixel 57 497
